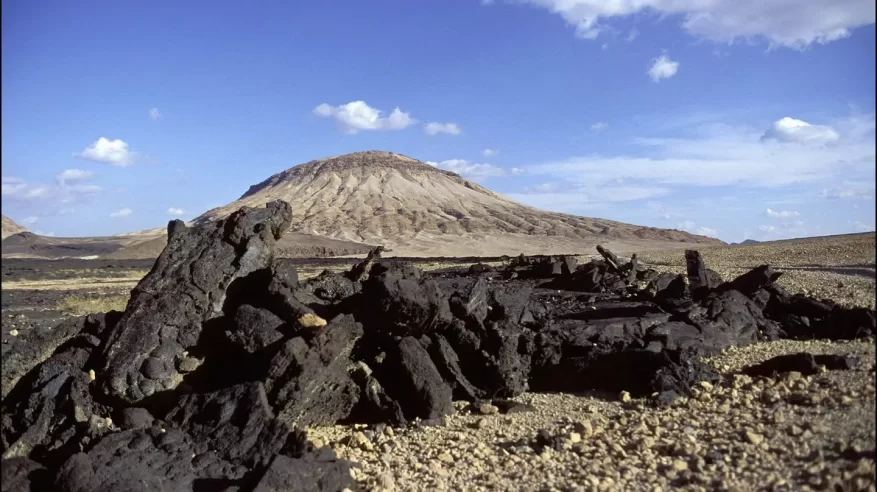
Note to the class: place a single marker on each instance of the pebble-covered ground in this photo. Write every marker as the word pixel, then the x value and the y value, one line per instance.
pixel 794 433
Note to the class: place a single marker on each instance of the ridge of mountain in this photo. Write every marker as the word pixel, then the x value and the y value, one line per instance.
pixel 10 227
pixel 378 197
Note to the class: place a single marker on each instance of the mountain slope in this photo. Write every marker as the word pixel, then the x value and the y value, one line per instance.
pixel 385 198
pixel 10 227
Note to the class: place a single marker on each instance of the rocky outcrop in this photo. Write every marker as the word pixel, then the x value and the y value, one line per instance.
pixel 224 356
pixel 185 289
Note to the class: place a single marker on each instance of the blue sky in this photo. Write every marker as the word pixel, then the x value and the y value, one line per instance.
pixel 741 119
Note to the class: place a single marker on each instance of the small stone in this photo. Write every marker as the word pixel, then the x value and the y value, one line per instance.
pixel 488 409
pixel 317 443
pixel 386 481
pixel 360 440
pixel 624 396
pixel 706 385
pixel 309 320
pixel 188 364
pixel 13 332
pixel 753 437
pixel 792 376
pixel 481 424
pixel 575 437
pixel 584 428
pixel 446 457
pixel 91 375
pixel 680 465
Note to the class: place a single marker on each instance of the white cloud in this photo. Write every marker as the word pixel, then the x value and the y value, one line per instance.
pixel 863 227
pixel 122 213
pixel 693 228
pixel 838 193
pixel 599 126
pixel 472 170
pixel 631 35
pixel 356 116
pixel 542 188
pixel 663 68
pixel 73 175
pixel 17 188
pixel 797 131
pixel 721 155
pixel 85 189
pixel 30 220
pixel 779 22
pixel 783 230
pixel 12 186
pixel 175 211
pixel 108 151
pixel 781 213
pixel 706 231
pixel 490 152
pixel 155 114
pixel 434 128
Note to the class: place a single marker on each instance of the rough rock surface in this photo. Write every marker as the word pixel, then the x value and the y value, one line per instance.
pixel 186 288
pixel 223 356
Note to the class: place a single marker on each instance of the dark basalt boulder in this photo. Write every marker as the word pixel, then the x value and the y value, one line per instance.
pixel 307 381
pixel 330 287
pixel 410 377
pixel 398 300
pixel 254 328
pixel 185 289
pixel 236 423
pixel 26 351
pixel 670 373
pixel 479 269
pixel 306 475
pixel 52 411
pixel 147 459
pixel 752 281
pixel 24 475
pixel 701 280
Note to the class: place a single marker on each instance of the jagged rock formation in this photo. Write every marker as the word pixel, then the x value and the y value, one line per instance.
pixel 223 356
pixel 389 199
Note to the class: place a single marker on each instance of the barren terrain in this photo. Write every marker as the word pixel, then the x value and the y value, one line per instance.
pixel 739 434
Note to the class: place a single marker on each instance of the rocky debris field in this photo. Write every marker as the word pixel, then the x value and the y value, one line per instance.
pixel 224 359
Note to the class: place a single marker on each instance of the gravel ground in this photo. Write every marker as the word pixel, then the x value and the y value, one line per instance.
pixel 792 433
pixel 847 250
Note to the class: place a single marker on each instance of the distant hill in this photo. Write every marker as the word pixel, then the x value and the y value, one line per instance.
pixel 10 227
pixel 416 209
pixel 745 241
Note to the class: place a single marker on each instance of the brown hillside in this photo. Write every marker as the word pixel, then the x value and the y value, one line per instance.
pixel 10 227
pixel 385 198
